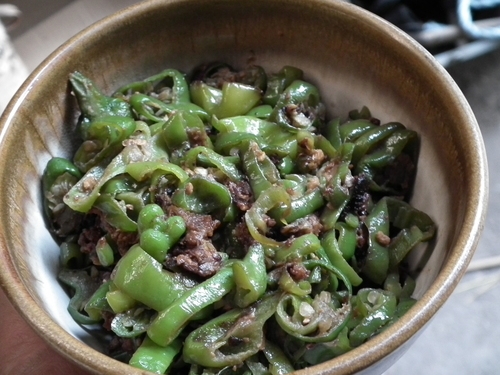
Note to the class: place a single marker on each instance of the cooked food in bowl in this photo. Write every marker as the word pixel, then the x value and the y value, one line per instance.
pixel 219 222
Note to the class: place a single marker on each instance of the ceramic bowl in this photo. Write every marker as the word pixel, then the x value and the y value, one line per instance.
pixel 354 57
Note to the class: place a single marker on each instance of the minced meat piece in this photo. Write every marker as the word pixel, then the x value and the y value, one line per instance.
pixel 298 271
pixel 242 194
pixel 198 227
pixel 202 260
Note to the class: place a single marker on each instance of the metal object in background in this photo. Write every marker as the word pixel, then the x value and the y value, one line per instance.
pixel 454 31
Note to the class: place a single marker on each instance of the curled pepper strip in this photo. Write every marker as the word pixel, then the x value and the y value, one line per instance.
pixel 84 193
pixel 93 103
pixel 331 247
pixel 250 276
pixel 97 303
pixel 204 196
pixel 351 130
pixel 103 140
pixel 275 196
pixel 155 358
pixel 170 321
pixel 232 337
pixel 279 364
pixel 376 309
pixel 131 323
pixel 312 320
pixel 141 277
pixel 226 167
pixel 376 264
pixel 277 83
pixel 299 107
pixel 299 248
pixel 415 227
pixel 170 77
pixel 261 171
pixel 368 140
pixel 115 213
pixel 140 171
pixel 155 110
pixel 83 287
pixel 233 99
pixel 333 176
pixel 59 176
pixel 267 134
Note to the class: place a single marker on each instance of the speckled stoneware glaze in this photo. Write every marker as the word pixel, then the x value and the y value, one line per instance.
pixel 354 57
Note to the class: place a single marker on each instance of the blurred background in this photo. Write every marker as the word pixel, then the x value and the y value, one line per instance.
pixel 463 35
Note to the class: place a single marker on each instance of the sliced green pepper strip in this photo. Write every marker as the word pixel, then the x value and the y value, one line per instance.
pixel 154 358
pixel 180 89
pixel 103 140
pixel 229 169
pixel 57 169
pixel 299 248
pixel 279 364
pixel 260 170
pixel 289 285
pixel 157 243
pixel 119 301
pixel 93 103
pixel 376 264
pixel 151 217
pixel 104 252
pixel 205 96
pixel 184 130
pixel 143 170
pixel 300 207
pixel 262 111
pixel 332 133
pixel 277 83
pixel 237 99
pixel 82 195
pixel 84 287
pixel 131 323
pixel 250 276
pixel 347 240
pixel 233 99
pixel 388 151
pixel 312 320
pixel 268 134
pixel 115 213
pixel 97 303
pixel 273 197
pixel 70 255
pixel 140 276
pixel 213 344
pixel 351 130
pixel 333 175
pixel 331 246
pixel 368 140
pixel 415 227
pixel 299 107
pixel 204 196
pixel 322 352
pixel 149 107
pixel 376 308
pixel 171 321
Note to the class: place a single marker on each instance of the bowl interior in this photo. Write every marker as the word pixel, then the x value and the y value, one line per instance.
pixel 353 57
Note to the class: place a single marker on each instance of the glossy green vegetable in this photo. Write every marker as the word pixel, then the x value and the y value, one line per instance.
pixel 219 223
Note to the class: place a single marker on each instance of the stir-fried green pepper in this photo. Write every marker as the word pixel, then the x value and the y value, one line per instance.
pixel 220 222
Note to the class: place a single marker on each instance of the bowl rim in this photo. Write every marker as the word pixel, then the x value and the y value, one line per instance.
pixel 355 360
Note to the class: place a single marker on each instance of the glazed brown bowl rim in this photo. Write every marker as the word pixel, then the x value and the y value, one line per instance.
pixel 355 360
